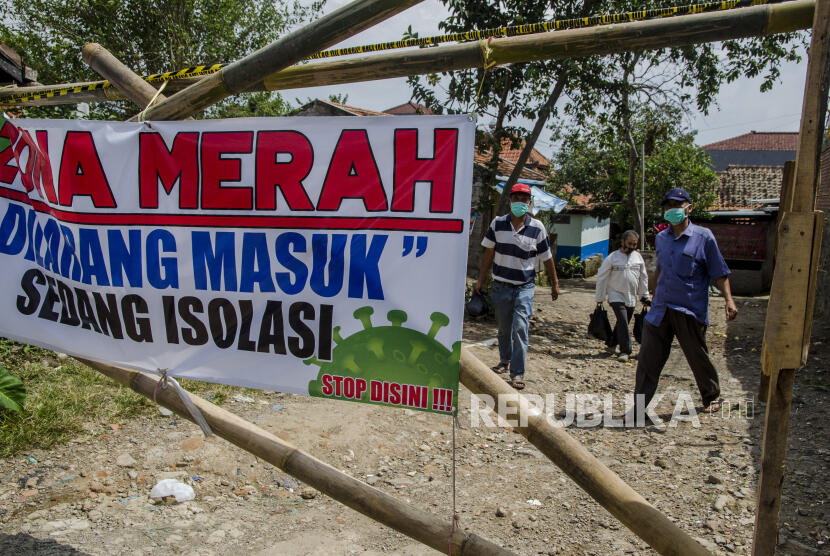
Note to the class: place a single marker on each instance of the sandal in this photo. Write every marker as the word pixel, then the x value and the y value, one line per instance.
pixel 501 368
pixel 517 383
pixel 714 406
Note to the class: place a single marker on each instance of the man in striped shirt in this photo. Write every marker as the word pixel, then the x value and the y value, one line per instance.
pixel 511 246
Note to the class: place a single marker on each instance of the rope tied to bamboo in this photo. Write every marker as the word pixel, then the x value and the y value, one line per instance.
pixel 487 62
pixel 140 116
pixel 164 380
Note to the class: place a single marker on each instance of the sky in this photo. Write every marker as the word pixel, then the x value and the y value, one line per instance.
pixel 741 106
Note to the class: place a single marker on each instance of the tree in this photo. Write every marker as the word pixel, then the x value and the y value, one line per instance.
pixel 530 90
pixel 606 88
pixel 595 159
pixel 149 36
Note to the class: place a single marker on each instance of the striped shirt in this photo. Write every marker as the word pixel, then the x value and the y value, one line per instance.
pixel 516 250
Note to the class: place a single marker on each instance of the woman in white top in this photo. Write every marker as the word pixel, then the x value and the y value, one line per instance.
pixel 623 278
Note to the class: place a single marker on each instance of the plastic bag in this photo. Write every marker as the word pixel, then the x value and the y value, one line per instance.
pixel 639 319
pixel 599 327
pixel 477 305
pixel 172 487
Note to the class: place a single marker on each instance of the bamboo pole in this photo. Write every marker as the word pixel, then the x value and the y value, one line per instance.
pixel 604 486
pixel 249 72
pixel 790 308
pixel 652 34
pixel 122 77
pixel 376 504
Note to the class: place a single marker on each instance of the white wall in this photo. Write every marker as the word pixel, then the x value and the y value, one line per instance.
pixel 569 234
pixel 593 230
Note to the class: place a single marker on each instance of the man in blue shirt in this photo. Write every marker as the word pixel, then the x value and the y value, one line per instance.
pixel 688 260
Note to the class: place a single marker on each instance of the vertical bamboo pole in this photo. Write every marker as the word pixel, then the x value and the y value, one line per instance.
pixel 793 287
pixel 250 71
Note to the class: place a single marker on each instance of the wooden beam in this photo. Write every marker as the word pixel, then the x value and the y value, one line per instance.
pixel 777 422
pixel 604 486
pixel 417 524
pixel 250 71
pixel 790 308
pixel 653 34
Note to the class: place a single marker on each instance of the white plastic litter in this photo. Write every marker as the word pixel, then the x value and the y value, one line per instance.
pixel 172 487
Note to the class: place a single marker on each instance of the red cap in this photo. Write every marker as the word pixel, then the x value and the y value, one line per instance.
pixel 520 188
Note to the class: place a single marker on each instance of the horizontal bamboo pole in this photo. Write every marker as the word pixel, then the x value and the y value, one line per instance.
pixel 422 526
pixel 604 486
pixel 249 72
pixel 607 39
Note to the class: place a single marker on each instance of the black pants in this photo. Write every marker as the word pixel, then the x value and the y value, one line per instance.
pixel 654 352
pixel 621 337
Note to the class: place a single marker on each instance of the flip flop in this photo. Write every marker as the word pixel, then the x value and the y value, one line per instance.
pixel 714 406
pixel 501 368
pixel 517 383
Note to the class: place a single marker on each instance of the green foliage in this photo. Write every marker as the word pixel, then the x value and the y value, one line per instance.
pixel 567 268
pixel 501 94
pixel 250 105
pixel 12 391
pixel 594 160
pixel 65 399
pixel 149 36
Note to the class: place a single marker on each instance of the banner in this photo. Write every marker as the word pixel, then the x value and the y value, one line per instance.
pixel 322 256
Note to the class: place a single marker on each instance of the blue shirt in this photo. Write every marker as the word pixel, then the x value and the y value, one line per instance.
pixel 687 265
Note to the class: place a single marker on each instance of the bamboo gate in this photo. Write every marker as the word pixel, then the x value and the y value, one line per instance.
pixel 789 314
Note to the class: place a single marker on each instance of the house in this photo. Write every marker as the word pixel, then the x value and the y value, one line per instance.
pixel 750 170
pixel 579 231
pixel 756 148
pixel 408 109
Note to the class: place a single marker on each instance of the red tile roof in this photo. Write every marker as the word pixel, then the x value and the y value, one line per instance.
pixel 535 160
pixel 409 108
pixel 757 141
pixel 505 167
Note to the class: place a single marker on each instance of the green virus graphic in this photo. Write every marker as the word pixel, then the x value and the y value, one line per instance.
pixel 391 365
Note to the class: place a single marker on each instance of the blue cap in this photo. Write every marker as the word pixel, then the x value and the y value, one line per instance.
pixel 676 194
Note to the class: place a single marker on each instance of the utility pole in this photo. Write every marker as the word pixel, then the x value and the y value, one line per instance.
pixel 643 199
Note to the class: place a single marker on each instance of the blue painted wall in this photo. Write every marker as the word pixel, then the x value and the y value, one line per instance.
pixel 600 247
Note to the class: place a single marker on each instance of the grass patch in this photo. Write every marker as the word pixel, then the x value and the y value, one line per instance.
pixel 62 396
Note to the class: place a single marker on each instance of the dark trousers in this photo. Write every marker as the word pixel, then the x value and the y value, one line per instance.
pixel 621 337
pixel 654 352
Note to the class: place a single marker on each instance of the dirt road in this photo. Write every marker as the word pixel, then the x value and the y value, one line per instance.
pixel 91 496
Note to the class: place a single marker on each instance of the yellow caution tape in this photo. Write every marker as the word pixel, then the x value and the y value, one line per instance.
pixel 516 30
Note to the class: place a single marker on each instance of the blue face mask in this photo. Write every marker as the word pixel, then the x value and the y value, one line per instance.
pixel 518 209
pixel 675 215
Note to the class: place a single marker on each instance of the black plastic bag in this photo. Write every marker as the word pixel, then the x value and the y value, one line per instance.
pixel 639 319
pixel 599 327
pixel 477 305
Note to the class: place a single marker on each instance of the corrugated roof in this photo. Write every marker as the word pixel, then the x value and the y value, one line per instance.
pixel 757 141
